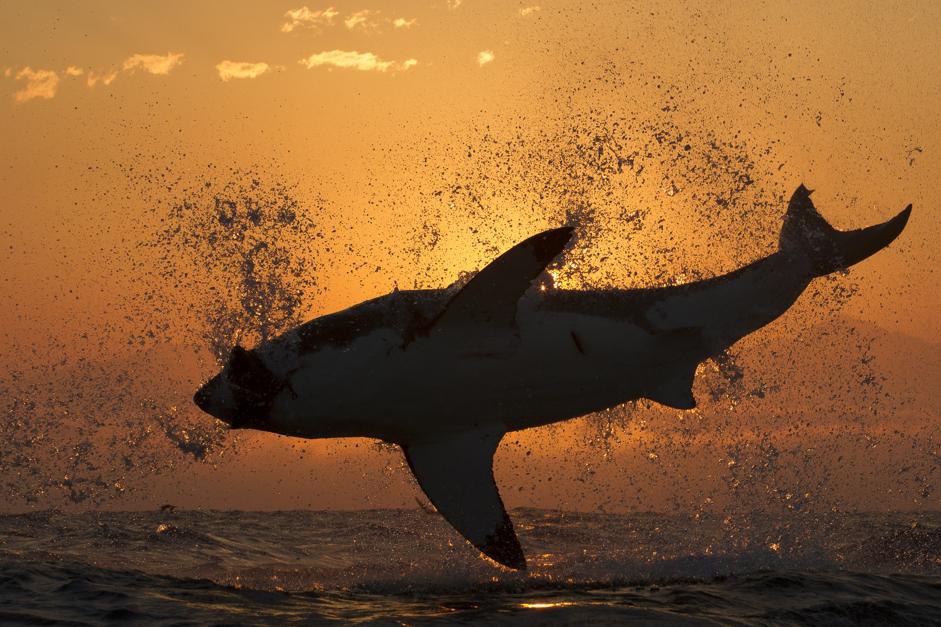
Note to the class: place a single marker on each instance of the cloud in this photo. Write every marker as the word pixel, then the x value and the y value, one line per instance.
pixel 361 19
pixel 39 84
pixel 530 10
pixel 368 20
pixel 350 59
pixel 240 69
pixel 153 63
pixel 305 18
pixel 454 4
pixel 105 78
pixel 485 56
pixel 74 71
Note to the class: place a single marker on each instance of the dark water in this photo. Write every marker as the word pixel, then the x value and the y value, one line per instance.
pixel 409 567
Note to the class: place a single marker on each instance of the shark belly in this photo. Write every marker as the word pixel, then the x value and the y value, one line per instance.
pixel 555 367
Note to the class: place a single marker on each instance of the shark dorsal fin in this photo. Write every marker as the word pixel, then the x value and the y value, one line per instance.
pixel 456 473
pixel 490 297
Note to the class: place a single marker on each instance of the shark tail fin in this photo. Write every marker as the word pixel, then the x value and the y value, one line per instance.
pixel 806 234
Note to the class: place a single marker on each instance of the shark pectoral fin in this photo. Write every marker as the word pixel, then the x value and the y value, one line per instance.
pixel 676 390
pixel 457 476
pixel 490 297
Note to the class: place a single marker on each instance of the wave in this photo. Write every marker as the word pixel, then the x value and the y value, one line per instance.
pixel 46 592
pixel 278 567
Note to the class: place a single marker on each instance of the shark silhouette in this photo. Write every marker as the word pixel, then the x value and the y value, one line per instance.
pixel 445 374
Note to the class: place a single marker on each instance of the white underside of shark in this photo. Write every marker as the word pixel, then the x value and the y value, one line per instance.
pixel 446 374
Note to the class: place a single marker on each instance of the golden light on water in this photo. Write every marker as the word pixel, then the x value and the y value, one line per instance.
pixel 546 605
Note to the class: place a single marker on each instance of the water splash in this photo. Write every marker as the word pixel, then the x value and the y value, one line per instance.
pixel 658 197
pixel 238 252
pixel 223 262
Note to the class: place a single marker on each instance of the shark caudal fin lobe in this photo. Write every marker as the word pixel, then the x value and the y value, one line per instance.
pixel 455 471
pixel 808 235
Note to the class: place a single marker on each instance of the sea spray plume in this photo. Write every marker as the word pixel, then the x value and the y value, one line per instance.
pixel 92 423
pixel 389 368
pixel 243 241
pixel 662 196
pixel 89 437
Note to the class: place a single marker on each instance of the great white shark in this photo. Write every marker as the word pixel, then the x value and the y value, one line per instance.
pixel 445 373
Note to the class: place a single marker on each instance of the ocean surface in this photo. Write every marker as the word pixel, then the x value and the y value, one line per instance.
pixel 408 566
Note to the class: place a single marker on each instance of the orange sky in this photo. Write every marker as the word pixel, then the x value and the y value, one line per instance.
pixel 374 112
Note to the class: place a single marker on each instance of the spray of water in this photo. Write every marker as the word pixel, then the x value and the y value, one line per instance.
pixel 235 256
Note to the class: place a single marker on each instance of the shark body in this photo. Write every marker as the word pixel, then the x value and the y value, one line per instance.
pixel 446 374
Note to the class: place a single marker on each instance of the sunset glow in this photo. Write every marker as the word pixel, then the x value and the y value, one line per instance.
pixel 423 140
pixel 469 311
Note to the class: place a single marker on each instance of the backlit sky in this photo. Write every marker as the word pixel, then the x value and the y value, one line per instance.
pixel 368 109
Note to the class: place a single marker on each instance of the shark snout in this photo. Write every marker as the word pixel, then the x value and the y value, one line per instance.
pixel 207 399
pixel 203 400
